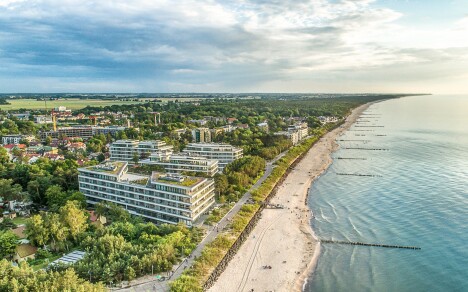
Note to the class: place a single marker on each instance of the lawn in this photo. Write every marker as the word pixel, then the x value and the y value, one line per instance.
pixel 71 103
pixel 76 103
pixel 19 220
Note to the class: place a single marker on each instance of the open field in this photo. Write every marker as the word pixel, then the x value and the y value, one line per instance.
pixel 75 103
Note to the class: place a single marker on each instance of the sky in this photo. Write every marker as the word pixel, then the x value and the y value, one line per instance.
pixel 327 46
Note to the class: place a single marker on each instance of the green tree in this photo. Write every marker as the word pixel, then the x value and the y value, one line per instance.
pixel 74 218
pixel 37 231
pixel 58 231
pixel 10 191
pixel 56 198
pixel 8 243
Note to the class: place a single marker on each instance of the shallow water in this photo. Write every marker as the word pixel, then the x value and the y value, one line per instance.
pixel 420 200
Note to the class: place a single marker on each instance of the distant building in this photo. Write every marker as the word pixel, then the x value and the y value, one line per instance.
pixel 84 132
pixel 124 150
pixel 293 136
pixel 231 120
pixel 22 116
pixel 301 128
pixel 201 135
pixel 184 163
pixel 263 126
pixel 198 122
pixel 15 139
pixel 161 198
pixel 224 153
pixel 43 119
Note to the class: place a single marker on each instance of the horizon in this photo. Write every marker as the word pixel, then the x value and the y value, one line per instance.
pixel 254 46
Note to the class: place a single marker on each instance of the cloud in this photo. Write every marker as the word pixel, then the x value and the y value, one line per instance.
pixel 188 45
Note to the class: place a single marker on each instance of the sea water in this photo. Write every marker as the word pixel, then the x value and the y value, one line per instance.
pixel 419 197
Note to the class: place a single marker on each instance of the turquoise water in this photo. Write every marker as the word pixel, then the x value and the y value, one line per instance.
pixel 421 199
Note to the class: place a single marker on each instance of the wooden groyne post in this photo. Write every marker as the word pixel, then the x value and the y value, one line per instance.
pixel 369 244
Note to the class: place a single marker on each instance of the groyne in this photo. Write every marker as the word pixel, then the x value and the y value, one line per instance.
pixel 369 244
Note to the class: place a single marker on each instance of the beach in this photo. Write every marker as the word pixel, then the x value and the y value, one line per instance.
pixel 282 251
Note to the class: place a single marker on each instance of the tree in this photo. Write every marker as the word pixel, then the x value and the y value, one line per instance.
pixel 74 218
pixel 135 158
pixel 48 140
pixel 37 231
pixel 129 273
pixel 101 157
pixel 7 224
pixel 56 198
pixel 10 191
pixel 4 158
pixel 221 183
pixel 58 231
pixel 8 243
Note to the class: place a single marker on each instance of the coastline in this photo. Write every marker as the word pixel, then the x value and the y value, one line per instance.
pixel 349 121
pixel 283 239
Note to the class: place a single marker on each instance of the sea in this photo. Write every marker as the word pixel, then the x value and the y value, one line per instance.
pixel 407 185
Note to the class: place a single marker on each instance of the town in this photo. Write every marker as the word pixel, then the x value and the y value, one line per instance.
pixel 154 178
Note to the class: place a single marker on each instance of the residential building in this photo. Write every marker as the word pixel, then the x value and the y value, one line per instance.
pixel 201 122
pixel 291 135
pixel 84 132
pixel 186 163
pixel 201 135
pixel 224 153
pixel 124 150
pixel 15 139
pixel 43 119
pixel 263 126
pixel 301 128
pixel 161 198
pixel 22 116
pixel 24 252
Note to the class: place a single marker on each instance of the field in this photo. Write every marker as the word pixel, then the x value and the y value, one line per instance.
pixel 74 103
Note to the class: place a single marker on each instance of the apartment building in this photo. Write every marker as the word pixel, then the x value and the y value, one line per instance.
pixel 84 132
pixel 224 153
pixel 183 163
pixel 124 150
pixel 291 135
pixel 161 198
pixel 15 139
pixel 301 128
pixel 201 135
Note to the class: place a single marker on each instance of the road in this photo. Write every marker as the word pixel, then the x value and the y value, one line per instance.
pixel 151 284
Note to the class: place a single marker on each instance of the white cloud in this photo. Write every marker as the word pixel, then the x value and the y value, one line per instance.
pixel 217 44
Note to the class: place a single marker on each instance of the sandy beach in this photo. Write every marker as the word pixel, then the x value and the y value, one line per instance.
pixel 282 250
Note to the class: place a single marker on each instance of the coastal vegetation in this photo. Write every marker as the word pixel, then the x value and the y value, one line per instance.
pixel 194 278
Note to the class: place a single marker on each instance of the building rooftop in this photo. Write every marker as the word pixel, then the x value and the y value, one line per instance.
pixel 175 179
pixel 109 167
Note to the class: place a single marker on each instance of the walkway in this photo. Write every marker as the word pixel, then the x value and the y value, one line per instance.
pixel 149 283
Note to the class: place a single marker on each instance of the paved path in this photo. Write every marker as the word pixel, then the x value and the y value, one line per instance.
pixel 149 283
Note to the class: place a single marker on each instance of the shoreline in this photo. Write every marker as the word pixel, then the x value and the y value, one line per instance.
pixel 349 121
pixel 283 240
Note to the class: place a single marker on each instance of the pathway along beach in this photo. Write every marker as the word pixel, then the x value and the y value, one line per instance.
pixel 283 238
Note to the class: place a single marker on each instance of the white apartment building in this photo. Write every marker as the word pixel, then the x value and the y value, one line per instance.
pixel 224 153
pixel 15 139
pixel 123 150
pixel 301 128
pixel 291 135
pixel 161 198
pixel 187 163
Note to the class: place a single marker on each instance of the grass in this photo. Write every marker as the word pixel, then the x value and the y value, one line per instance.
pixel 75 103
pixel 42 263
pixel 20 220
pixel 219 213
